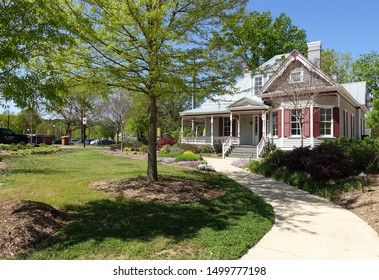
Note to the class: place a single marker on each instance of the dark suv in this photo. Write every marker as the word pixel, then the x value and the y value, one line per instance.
pixel 7 136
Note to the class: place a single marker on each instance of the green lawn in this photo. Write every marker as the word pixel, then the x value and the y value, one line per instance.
pixel 107 227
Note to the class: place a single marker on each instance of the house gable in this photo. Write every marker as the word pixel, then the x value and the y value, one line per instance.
pixel 296 74
pixel 246 102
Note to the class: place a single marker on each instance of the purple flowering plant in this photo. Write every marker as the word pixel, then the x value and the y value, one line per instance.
pixel 190 163
pixel 241 162
pixel 166 160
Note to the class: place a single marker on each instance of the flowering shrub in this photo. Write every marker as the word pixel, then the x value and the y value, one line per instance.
pixel 170 151
pixel 187 156
pixel 240 162
pixel 190 163
pixel 165 141
pixel 207 149
pixel 166 160
pixel 189 147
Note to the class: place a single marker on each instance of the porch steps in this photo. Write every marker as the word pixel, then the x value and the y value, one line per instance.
pixel 243 151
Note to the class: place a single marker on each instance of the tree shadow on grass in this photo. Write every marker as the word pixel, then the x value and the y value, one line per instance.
pixel 132 220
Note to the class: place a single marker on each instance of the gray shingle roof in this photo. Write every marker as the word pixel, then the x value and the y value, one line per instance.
pixel 243 89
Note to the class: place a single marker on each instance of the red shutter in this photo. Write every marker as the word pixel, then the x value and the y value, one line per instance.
pixel 336 122
pixel 316 122
pixel 287 123
pixel 234 131
pixel 306 124
pixel 279 123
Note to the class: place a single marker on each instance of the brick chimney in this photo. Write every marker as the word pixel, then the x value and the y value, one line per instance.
pixel 314 53
pixel 334 75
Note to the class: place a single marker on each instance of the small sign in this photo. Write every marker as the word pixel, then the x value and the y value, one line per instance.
pixel 84 120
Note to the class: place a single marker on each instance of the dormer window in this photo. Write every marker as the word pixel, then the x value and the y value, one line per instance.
pixel 296 76
pixel 258 83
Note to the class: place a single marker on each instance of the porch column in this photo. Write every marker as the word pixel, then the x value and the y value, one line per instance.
pixel 205 128
pixel 231 124
pixel 182 132
pixel 239 127
pixel 282 125
pixel 212 130
pixel 311 126
pixel 264 124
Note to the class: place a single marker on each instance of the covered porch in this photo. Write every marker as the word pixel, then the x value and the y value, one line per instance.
pixel 233 129
pixel 242 122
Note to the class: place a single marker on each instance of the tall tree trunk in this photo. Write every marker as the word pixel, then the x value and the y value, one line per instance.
pixel 152 171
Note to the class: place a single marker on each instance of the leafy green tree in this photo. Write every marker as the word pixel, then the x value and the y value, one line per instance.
pixel 77 102
pixel 366 68
pixel 30 119
pixel 339 62
pixel 27 34
pixel 138 120
pixel 256 37
pixel 143 46
pixel 115 110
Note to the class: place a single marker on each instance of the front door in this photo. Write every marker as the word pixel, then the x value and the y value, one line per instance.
pixel 256 129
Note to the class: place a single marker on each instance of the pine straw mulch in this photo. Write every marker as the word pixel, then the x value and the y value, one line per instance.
pixel 26 225
pixel 364 204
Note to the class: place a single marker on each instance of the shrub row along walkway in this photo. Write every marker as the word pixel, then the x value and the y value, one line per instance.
pixel 306 226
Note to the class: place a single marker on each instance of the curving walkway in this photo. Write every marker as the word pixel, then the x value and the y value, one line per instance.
pixel 306 227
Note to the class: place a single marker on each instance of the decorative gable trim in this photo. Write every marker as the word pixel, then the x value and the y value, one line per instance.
pixel 247 103
pixel 296 56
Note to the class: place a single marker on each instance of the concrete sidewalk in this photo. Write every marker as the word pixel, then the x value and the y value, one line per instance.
pixel 306 226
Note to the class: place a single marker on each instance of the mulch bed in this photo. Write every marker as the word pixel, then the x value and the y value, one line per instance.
pixel 25 225
pixel 364 204
pixel 168 190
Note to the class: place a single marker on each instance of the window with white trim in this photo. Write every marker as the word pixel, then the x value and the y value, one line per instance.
pixel 226 126
pixel 295 125
pixel 258 83
pixel 296 76
pixel 274 123
pixel 345 123
pixel 326 121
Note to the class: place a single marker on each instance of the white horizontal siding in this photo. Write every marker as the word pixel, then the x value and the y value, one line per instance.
pixel 291 142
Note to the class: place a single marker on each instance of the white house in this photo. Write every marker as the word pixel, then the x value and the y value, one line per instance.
pixel 289 100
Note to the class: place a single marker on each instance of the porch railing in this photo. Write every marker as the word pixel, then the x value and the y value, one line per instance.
pixel 226 146
pixel 260 146
pixel 207 140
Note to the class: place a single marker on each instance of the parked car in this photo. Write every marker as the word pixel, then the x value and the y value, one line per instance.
pixel 56 142
pixel 101 142
pixel 74 141
pixel 88 141
pixel 106 142
pixel 7 136
pixel 36 138
pixel 94 141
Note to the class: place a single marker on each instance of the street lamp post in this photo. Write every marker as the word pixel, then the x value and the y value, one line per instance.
pixel 9 116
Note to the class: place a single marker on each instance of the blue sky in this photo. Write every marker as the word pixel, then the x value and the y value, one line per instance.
pixel 346 26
